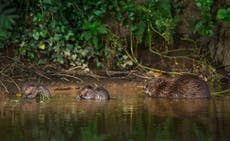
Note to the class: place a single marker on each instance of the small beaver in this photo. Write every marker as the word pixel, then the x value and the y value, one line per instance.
pixel 89 92
pixel 33 90
pixel 184 86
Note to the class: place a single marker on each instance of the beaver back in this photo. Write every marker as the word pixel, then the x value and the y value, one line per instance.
pixel 184 86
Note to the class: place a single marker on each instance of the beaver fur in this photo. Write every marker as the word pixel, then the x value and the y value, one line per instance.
pixel 184 86
pixel 89 92
pixel 32 90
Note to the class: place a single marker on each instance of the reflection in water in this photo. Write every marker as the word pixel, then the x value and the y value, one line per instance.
pixel 125 117
pixel 90 132
pixel 201 135
pixel 177 107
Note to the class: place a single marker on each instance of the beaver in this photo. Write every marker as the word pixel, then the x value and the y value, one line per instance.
pixel 89 92
pixel 184 86
pixel 32 90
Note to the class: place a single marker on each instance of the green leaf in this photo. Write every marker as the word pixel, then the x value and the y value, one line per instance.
pixel 31 55
pixel 57 37
pixel 140 29
pixel 95 41
pixel 86 36
pixel 22 51
pixel 98 12
pixel 199 4
pixel 43 34
pixel 36 35
pixel 222 14
pixel 7 19
pixel 102 30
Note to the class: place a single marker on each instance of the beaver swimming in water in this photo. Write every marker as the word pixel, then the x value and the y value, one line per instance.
pixel 89 92
pixel 184 86
pixel 32 90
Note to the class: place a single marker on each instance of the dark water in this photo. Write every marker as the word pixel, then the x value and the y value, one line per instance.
pixel 129 116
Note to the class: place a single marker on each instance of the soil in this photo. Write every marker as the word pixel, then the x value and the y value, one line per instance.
pixel 14 73
pixel 59 80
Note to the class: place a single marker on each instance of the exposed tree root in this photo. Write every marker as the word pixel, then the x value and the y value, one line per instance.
pixel 145 68
pixel 199 67
pixel 66 76
pixel 14 73
pixel 220 93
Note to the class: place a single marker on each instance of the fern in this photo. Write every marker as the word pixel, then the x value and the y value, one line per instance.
pixel 7 20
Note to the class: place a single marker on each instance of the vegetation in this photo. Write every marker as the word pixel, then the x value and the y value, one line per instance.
pixel 7 21
pixel 107 34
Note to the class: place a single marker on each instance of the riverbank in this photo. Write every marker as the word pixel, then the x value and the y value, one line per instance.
pixel 14 73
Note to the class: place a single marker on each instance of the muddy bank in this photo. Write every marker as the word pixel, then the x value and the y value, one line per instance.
pixel 71 86
pixel 126 86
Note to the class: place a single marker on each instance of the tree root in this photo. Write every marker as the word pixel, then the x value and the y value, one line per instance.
pixel 145 68
pixel 67 76
pixel 220 93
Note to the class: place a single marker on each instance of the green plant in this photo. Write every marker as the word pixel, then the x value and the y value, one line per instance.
pixel 72 32
pixel 92 31
pixel 160 19
pixel 224 14
pixel 204 26
pixel 51 38
pixel 7 20
pixel 43 98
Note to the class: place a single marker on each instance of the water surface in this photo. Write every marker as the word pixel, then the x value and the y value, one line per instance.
pixel 128 116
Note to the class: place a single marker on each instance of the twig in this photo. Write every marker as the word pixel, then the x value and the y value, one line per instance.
pixel 4 86
pixel 12 80
pixel 109 72
pixel 74 68
pixel 66 75
pixel 141 76
pixel 95 76
pixel 220 92
pixel 169 57
pixel 42 75
pixel 152 69
pixel 177 50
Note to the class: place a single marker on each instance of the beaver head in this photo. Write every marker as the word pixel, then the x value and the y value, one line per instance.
pixel 33 90
pixel 28 89
pixel 152 86
pixel 86 92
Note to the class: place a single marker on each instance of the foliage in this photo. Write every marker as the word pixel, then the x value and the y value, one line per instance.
pixel 96 32
pixel 7 20
pixel 161 18
pixel 204 26
pixel 92 31
pixel 51 36
pixel 224 14
pixel 43 98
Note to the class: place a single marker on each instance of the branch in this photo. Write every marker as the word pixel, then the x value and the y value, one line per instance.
pixel 66 75
pixel 153 69
pixel 220 92
pixel 4 86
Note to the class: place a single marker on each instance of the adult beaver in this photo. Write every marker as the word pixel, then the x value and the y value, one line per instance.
pixel 184 86
pixel 32 90
pixel 89 92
